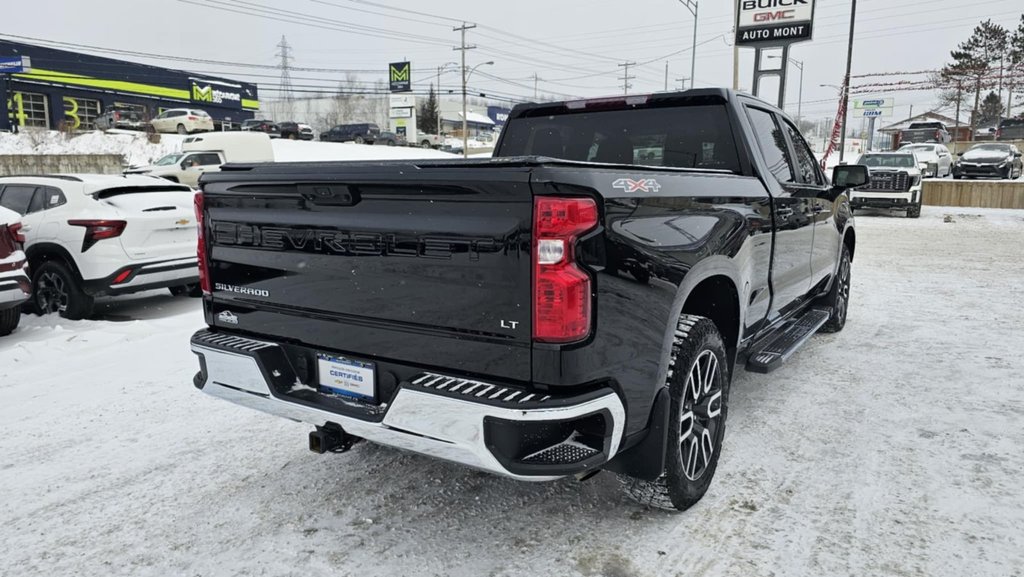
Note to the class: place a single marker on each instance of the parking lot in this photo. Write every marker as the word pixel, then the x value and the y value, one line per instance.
pixel 891 448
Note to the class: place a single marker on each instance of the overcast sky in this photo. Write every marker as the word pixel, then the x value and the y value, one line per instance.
pixel 574 46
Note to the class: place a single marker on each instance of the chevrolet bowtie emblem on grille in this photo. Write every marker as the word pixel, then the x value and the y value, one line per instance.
pixel 642 185
pixel 182 222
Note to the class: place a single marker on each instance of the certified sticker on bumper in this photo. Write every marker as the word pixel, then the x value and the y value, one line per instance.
pixel 343 376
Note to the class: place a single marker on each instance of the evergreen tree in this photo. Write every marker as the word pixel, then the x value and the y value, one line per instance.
pixel 1015 65
pixel 427 116
pixel 979 60
pixel 991 109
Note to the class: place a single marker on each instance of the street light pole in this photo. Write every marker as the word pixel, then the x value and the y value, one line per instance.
pixel 691 5
pixel 465 79
pixel 800 103
pixel 440 70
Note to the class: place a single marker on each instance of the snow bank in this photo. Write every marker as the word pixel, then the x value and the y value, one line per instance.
pixel 137 150
pixel 299 151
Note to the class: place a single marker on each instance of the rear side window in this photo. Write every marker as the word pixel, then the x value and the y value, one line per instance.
pixel 17 197
pixel 688 136
pixel 804 157
pixel 206 159
pixel 52 197
pixel 772 143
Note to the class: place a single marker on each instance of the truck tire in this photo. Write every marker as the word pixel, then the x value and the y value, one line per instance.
pixel 359 140
pixel 425 144
pixel 914 211
pixel 55 289
pixel 9 319
pixel 837 301
pixel 698 385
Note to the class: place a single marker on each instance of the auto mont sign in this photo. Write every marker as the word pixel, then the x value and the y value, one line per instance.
pixel 774 22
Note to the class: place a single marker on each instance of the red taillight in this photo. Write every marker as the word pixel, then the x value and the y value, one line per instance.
pixel 16 234
pixel 561 289
pixel 97 230
pixel 204 269
pixel 193 118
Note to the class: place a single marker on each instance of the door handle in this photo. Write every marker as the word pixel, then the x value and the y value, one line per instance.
pixel 25 228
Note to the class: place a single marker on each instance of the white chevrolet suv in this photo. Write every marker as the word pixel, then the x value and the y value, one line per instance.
pixel 88 235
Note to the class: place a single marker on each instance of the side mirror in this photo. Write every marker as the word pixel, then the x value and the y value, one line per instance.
pixel 1016 155
pixel 846 176
pixel 960 154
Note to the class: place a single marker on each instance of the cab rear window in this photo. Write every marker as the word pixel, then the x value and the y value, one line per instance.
pixel 695 136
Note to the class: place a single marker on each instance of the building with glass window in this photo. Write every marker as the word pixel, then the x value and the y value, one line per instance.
pixel 69 90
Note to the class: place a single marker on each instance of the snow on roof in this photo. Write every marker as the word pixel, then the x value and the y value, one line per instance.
pixel 473 117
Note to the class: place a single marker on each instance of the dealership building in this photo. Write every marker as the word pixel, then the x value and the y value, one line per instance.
pixel 64 89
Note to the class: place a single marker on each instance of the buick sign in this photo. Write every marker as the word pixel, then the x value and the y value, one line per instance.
pixel 774 22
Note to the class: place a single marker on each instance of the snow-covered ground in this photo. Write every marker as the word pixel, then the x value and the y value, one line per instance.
pixel 892 448
pixel 137 150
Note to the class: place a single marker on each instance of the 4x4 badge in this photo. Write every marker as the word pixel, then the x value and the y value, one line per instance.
pixel 642 185
pixel 228 317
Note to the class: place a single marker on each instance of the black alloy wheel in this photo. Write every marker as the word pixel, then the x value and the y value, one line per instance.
pixel 699 418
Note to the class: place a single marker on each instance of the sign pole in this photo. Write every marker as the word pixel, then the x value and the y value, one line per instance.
pixel 5 121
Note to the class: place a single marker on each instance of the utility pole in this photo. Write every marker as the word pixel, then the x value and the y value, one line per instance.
pixel 666 76
pixel 846 80
pixel 625 78
pixel 284 52
pixel 463 48
pixel 691 5
pixel 682 82
pixel 536 79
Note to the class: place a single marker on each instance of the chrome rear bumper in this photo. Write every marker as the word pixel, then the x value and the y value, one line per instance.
pixel 447 424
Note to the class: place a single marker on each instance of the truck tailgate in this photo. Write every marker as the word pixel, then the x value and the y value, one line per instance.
pixel 387 260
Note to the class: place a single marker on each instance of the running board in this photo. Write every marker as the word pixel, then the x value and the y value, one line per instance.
pixel 778 348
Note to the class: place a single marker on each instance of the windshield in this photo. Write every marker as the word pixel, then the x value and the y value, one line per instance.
pixel 919 149
pixel 992 148
pixel 169 159
pixel 888 160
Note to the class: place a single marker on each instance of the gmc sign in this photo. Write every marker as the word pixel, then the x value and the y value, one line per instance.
pixel 774 22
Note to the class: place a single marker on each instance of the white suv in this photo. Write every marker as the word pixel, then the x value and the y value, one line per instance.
pixel 182 121
pixel 88 235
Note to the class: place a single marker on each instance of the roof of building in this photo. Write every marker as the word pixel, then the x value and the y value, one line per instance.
pixel 925 117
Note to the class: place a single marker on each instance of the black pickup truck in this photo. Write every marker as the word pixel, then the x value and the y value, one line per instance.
pixel 578 302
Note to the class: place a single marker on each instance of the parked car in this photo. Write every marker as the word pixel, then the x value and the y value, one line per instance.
pixel 510 347
pixel 182 121
pixel 265 126
pixel 207 152
pixel 89 235
pixel 120 116
pixel 895 182
pixel 390 139
pixel 935 159
pixel 990 160
pixel 364 133
pixel 1011 129
pixel 15 287
pixel 426 140
pixel 295 131
pixel 925 132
